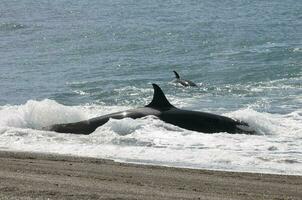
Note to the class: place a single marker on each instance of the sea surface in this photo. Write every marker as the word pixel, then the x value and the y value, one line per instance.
pixel 64 61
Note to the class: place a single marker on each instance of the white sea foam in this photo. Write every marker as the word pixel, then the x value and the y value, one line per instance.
pixel 35 114
pixel 277 148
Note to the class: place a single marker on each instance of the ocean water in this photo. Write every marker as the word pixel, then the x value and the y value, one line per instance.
pixel 65 61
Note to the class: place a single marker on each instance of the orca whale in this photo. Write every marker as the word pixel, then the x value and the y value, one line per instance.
pixel 161 108
pixel 183 82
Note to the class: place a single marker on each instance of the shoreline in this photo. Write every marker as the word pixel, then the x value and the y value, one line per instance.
pixel 29 175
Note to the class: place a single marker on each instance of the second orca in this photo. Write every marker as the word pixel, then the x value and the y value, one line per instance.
pixel 182 81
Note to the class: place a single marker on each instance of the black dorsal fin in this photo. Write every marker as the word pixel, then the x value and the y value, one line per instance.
pixel 176 75
pixel 159 99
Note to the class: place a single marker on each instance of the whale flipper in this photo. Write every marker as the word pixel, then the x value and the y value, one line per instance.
pixel 159 100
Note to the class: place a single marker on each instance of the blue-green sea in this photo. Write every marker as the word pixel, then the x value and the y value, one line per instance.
pixel 64 61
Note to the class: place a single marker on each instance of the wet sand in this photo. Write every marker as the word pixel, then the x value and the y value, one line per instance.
pixel 48 176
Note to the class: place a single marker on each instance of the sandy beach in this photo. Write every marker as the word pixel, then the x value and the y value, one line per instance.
pixel 47 176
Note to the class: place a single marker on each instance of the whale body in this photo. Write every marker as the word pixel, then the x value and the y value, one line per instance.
pixel 161 108
pixel 182 81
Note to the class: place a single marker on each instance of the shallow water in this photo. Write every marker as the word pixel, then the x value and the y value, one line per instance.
pixel 64 61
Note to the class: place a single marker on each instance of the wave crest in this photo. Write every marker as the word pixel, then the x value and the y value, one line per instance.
pixel 37 114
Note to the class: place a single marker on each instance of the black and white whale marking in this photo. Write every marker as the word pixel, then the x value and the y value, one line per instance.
pixel 161 108
pixel 183 82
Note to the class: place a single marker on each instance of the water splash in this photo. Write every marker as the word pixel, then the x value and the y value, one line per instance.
pixel 151 141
